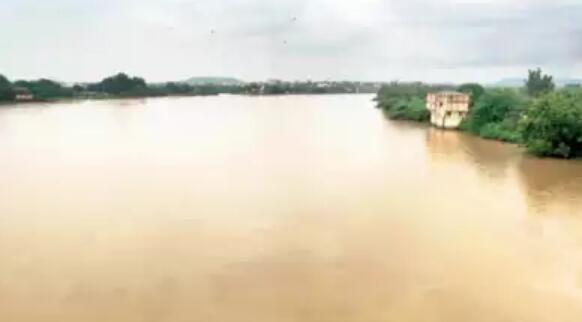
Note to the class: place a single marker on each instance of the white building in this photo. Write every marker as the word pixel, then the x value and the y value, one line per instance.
pixel 447 109
pixel 23 94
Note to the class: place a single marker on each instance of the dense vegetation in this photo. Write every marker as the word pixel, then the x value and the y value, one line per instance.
pixel 45 89
pixel 123 85
pixel 276 87
pixel 6 89
pixel 552 124
pixel 496 115
pixel 548 122
pixel 407 101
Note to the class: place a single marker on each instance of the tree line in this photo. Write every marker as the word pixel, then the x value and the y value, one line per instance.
pixel 309 87
pixel 123 85
pixel 42 89
pixel 545 120
pixel 119 85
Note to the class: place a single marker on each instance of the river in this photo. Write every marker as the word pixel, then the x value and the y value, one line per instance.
pixel 277 209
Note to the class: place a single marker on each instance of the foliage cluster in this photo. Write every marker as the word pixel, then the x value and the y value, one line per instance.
pixel 121 85
pixel 6 90
pixel 407 101
pixel 552 124
pixel 538 84
pixel 496 115
pixel 308 87
pixel 45 89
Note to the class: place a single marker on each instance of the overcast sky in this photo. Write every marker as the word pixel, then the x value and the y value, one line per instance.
pixel 430 40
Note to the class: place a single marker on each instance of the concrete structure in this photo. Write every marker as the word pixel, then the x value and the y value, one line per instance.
pixel 23 94
pixel 447 109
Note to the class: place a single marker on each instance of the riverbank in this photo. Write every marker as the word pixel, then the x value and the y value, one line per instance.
pixel 414 109
pixel 125 86
pixel 547 125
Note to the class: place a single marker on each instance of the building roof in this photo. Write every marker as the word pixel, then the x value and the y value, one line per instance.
pixel 451 93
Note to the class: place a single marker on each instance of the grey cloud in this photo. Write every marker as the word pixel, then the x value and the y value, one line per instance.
pixel 498 34
pixel 254 39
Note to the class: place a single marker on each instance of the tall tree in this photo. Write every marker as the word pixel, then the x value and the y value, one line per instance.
pixel 538 83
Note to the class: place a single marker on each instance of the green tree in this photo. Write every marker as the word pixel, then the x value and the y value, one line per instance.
pixel 496 115
pixel 538 84
pixel 122 84
pixel 407 101
pixel 45 89
pixel 473 89
pixel 6 91
pixel 495 106
pixel 552 125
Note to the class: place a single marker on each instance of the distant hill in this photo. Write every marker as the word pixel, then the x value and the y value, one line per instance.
pixel 213 81
pixel 568 81
pixel 519 82
pixel 510 82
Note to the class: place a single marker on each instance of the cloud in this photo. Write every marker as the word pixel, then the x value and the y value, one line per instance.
pixel 256 39
pixel 494 33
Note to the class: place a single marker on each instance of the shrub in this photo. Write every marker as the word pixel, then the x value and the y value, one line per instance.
pixel 407 101
pixel 496 115
pixel 501 132
pixel 413 109
pixel 496 106
pixel 552 125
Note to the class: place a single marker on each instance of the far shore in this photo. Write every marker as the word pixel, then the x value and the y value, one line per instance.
pixel 113 98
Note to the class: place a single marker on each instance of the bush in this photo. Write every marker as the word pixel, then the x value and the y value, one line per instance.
pixel 552 125
pixel 499 131
pixel 413 109
pixel 407 101
pixel 496 115
pixel 495 106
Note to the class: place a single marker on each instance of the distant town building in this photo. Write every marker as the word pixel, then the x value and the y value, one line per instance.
pixel 23 94
pixel 447 109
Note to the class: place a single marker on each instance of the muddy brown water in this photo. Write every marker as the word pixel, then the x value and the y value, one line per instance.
pixel 277 209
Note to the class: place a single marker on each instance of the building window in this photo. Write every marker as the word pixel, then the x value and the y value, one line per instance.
pixel 449 114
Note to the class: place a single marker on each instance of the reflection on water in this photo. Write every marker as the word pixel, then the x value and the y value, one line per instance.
pixel 302 208
pixel 490 157
pixel 552 183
